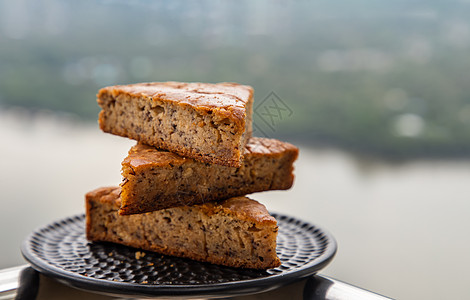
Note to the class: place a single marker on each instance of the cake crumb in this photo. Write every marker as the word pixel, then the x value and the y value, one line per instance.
pixel 139 254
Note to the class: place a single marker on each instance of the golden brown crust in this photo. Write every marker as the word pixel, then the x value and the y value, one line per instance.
pixel 108 194
pixel 142 155
pixel 225 98
pixel 237 232
pixel 244 208
pixel 260 146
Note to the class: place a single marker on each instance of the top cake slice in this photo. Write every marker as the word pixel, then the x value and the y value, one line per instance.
pixel 207 122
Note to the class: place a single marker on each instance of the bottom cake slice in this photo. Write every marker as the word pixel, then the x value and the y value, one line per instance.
pixel 237 232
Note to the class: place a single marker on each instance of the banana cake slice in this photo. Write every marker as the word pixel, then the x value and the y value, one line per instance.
pixel 207 122
pixel 155 179
pixel 238 232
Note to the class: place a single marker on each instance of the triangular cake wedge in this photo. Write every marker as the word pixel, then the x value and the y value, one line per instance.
pixel 238 232
pixel 155 179
pixel 207 122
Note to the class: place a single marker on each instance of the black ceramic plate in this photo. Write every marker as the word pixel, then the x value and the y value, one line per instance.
pixel 61 250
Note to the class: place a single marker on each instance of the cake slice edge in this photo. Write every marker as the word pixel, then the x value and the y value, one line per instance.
pixel 237 232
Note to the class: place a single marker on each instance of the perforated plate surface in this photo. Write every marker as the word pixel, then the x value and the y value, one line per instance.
pixel 61 250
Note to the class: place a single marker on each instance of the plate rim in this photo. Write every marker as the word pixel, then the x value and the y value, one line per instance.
pixel 127 288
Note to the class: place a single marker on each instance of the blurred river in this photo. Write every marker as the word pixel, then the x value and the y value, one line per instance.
pixel 402 229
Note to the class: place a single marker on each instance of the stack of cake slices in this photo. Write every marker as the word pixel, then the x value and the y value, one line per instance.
pixel 185 180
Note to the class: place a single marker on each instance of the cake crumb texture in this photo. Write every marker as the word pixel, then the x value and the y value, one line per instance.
pixel 238 232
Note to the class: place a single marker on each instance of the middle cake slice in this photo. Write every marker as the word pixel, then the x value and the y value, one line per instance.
pixel 155 179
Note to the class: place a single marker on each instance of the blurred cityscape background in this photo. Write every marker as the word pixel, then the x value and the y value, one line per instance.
pixel 375 93
pixel 389 78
